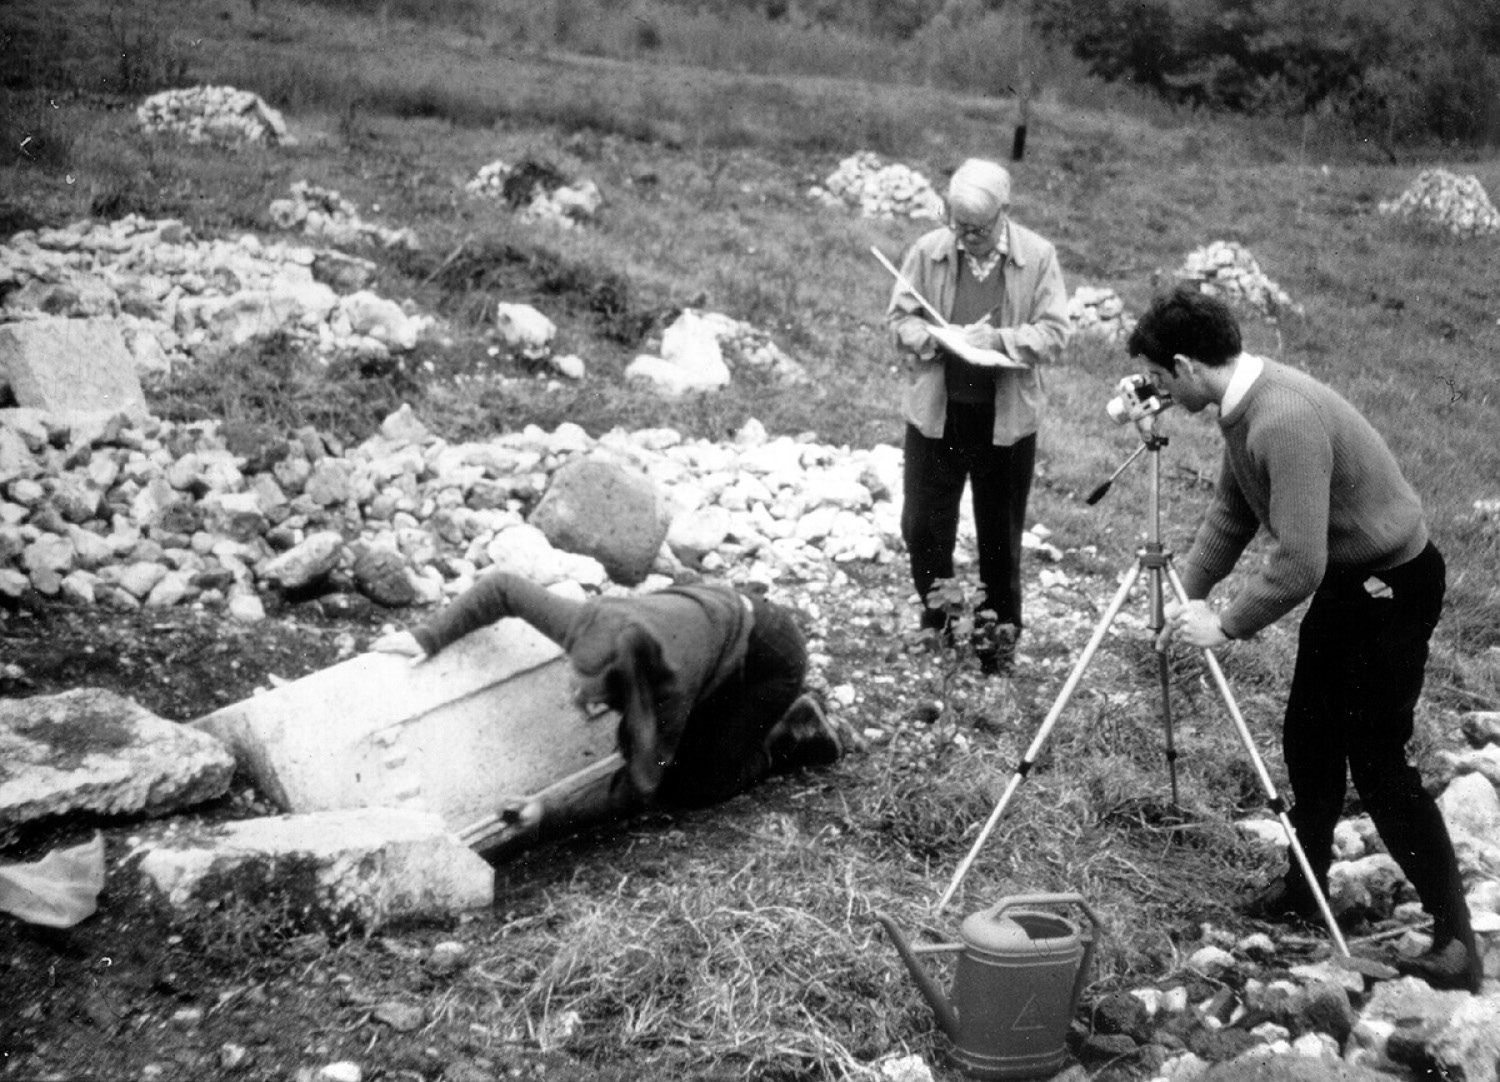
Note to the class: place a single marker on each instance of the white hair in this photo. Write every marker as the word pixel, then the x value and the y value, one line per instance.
pixel 979 188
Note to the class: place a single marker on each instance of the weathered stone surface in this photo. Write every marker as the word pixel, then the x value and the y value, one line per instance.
pixel 91 750
pixel 308 562
pixel 489 717
pixel 363 866
pixel 1290 1069
pixel 70 365
pixel 1451 1034
pixel 524 330
pixel 599 508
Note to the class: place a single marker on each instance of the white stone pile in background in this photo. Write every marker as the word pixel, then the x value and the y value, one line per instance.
pixel 1457 204
pixel 568 205
pixel 154 513
pixel 1098 312
pixel 177 298
pixel 878 190
pixel 489 180
pixel 1226 269
pixel 219 114
pixel 325 214
pixel 703 351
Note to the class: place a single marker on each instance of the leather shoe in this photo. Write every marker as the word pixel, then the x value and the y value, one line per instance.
pixel 1450 967
pixel 994 643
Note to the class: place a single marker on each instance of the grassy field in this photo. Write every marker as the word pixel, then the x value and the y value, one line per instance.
pixel 704 139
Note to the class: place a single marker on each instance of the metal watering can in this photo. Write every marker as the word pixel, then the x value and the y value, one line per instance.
pixel 1020 972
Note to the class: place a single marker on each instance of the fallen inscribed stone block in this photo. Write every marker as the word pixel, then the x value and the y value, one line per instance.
pixel 93 751
pixel 361 866
pixel 488 718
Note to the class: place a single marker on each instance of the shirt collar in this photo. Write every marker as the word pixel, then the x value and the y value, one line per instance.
pixel 1247 370
pixel 982 268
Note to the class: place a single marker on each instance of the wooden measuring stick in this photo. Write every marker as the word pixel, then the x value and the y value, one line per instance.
pixel 902 279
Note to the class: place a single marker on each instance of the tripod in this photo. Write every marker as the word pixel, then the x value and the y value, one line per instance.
pixel 1154 561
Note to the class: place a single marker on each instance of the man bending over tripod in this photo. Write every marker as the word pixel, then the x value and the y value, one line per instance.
pixel 1347 530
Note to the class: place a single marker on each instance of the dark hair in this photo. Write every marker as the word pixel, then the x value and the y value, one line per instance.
pixel 1189 322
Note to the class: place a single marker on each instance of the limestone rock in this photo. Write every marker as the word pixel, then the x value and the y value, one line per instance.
pixel 380 574
pixel 524 330
pixel 70 365
pixel 91 750
pixel 308 562
pixel 599 508
pixel 361 867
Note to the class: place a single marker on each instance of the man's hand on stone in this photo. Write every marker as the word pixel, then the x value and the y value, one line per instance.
pixel 403 643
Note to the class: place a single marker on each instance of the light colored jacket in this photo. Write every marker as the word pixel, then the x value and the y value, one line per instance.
pixel 1032 321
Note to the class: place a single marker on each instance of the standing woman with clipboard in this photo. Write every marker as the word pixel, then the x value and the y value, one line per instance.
pixel 997 286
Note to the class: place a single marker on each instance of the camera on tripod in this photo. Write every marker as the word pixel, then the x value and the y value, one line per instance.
pixel 1136 399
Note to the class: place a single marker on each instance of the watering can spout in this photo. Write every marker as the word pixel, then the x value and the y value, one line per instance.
pixel 947 1017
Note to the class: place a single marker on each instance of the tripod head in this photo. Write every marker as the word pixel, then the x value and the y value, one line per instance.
pixel 1150 441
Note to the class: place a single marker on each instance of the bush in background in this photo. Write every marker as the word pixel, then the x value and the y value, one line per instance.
pixel 1389 68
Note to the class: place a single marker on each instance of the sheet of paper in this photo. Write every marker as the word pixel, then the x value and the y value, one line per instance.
pixel 952 339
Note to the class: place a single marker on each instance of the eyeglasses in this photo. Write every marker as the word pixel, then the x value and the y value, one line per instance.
pixel 979 232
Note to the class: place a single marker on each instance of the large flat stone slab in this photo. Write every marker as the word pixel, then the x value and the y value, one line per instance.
pixel 360 867
pixel 91 750
pixel 489 717
pixel 67 366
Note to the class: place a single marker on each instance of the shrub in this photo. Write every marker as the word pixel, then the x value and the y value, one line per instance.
pixel 1391 67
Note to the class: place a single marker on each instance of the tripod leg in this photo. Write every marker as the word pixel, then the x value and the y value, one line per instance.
pixel 1029 759
pixel 1164 676
pixel 1164 681
pixel 1273 799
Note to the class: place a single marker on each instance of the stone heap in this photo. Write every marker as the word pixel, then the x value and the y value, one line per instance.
pixel 214 114
pixel 1226 269
pixel 1098 312
pixel 879 190
pixel 325 214
pixel 566 205
pixel 176 297
pixel 1457 204
pixel 703 351
pixel 151 513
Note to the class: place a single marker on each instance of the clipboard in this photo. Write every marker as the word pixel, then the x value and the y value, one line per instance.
pixel 948 336
pixel 952 339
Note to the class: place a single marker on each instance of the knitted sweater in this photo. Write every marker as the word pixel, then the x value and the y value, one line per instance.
pixel 1304 464
pixel 702 631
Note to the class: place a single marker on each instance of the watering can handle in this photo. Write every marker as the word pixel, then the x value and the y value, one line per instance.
pixel 1088 942
pixel 1047 899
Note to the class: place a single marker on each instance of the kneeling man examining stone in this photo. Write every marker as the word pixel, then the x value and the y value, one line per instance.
pixel 708 683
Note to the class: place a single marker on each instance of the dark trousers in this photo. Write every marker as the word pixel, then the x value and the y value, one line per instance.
pixel 1359 672
pixel 1000 483
pixel 724 750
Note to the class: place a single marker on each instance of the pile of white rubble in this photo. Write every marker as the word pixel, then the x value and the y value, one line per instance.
pixel 567 205
pixel 326 215
pixel 147 512
pixel 1227 269
pixel 1098 312
pixel 214 114
pixel 878 190
pixel 1457 204
pixel 176 297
